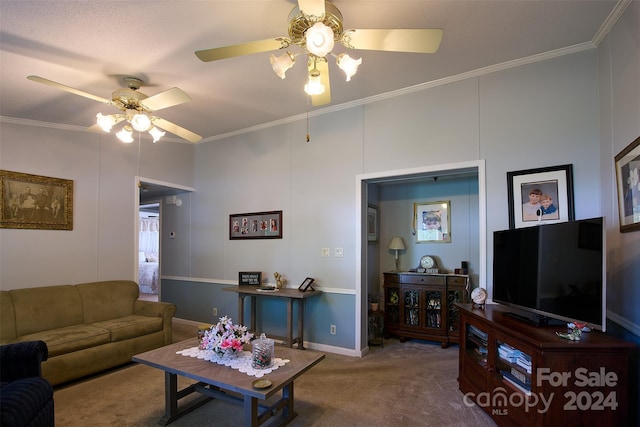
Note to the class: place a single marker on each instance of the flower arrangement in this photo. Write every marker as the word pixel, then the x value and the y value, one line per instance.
pixel 225 338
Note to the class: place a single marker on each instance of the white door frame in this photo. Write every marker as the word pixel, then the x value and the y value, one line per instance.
pixel 361 240
pixel 136 246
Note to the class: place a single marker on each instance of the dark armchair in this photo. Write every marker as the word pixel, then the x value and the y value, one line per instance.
pixel 26 398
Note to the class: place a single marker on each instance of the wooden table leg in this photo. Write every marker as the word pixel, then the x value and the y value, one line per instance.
pixel 288 412
pixel 250 411
pixel 241 309
pixel 253 312
pixel 170 398
pixel 300 325
pixel 289 322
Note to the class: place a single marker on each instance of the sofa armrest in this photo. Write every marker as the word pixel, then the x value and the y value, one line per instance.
pixel 164 310
pixel 155 309
pixel 22 360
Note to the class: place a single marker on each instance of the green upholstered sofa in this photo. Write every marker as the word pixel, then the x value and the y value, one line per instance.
pixel 88 327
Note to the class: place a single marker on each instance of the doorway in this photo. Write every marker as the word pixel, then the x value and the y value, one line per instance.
pixel 364 269
pixel 151 196
pixel 149 251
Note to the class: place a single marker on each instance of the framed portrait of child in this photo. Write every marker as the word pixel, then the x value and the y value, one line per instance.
pixel 432 221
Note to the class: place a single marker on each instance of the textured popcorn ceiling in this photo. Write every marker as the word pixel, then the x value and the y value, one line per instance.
pixel 91 45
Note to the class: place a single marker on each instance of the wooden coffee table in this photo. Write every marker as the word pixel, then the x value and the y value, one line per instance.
pixel 225 383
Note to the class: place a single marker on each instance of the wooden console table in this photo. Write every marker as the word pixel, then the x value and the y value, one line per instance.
pixel 290 294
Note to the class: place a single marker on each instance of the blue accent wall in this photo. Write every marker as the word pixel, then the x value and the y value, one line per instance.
pixel 195 301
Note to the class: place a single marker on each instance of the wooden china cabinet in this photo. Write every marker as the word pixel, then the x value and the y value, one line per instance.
pixel 421 305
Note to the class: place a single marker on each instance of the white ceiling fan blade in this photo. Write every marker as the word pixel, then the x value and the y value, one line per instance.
pixel 324 97
pixel 166 99
pixel 426 40
pixel 238 50
pixel 311 7
pixel 69 89
pixel 176 130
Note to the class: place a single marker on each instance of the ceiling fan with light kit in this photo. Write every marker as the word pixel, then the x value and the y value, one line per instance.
pixel 315 26
pixel 137 110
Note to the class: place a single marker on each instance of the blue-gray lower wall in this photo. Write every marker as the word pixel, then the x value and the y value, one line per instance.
pixel 195 301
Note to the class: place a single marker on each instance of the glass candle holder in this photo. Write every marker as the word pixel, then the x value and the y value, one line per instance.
pixel 262 352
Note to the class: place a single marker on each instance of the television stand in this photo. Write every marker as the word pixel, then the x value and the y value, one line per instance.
pixel 508 368
pixel 535 319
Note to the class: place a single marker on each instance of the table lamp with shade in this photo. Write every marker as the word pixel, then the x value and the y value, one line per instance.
pixel 397 244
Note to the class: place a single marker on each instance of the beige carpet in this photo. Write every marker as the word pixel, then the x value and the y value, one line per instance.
pixel 403 384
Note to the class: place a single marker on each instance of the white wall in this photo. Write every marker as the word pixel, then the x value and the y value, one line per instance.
pixel 101 244
pixel 542 114
pixel 536 115
pixel 619 87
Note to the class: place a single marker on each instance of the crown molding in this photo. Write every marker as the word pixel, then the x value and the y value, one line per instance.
pixel 611 20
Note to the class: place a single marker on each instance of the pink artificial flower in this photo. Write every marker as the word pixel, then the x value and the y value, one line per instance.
pixel 225 344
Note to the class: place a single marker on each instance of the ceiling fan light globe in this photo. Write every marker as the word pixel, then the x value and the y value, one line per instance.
pixel 348 64
pixel 105 122
pixel 314 86
pixel 319 39
pixel 282 63
pixel 125 135
pixel 156 134
pixel 140 122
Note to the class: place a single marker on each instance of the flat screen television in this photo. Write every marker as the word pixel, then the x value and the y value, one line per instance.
pixel 553 272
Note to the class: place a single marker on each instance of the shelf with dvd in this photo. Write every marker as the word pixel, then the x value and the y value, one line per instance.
pixel 514 366
pixel 526 375
pixel 477 344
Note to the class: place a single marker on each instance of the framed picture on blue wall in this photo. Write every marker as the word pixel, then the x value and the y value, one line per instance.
pixel 372 223
pixel 432 222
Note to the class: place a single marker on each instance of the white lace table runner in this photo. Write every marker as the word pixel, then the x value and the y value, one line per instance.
pixel 241 362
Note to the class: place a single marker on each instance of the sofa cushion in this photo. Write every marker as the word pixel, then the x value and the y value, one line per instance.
pixel 108 300
pixel 41 309
pixel 132 326
pixel 70 338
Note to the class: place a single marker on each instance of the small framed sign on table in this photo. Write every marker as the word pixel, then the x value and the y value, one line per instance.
pixel 250 278
pixel 306 284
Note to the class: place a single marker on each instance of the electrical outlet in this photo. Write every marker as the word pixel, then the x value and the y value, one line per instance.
pixel 332 331
pixel 339 252
pixel 324 252
pixel 215 311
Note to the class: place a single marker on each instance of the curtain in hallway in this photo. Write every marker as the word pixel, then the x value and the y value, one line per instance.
pixel 149 235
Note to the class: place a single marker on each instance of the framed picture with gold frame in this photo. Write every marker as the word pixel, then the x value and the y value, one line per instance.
pixel 628 184
pixel 432 222
pixel 35 202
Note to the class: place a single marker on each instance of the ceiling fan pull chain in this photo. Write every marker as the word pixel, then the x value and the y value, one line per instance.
pixel 138 165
